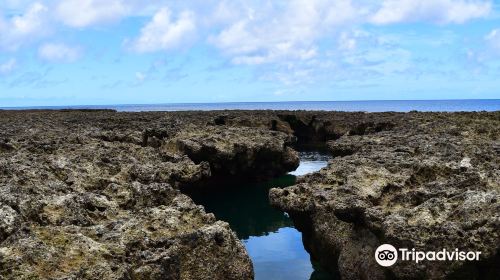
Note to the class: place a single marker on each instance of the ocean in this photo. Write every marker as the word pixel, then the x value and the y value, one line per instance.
pixel 347 106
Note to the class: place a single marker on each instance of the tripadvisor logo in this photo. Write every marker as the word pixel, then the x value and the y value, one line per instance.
pixel 387 255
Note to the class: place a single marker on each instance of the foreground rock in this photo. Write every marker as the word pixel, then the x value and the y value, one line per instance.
pixel 430 182
pixel 94 195
pixel 176 240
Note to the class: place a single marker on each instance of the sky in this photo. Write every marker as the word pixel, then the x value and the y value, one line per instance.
pixel 96 52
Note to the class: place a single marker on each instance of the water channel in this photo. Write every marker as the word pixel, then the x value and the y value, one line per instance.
pixel 272 242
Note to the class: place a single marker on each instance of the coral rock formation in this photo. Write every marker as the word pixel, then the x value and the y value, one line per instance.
pixel 430 182
pixel 95 194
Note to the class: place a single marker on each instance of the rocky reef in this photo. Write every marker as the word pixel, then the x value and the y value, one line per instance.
pixel 101 195
pixel 95 194
pixel 428 181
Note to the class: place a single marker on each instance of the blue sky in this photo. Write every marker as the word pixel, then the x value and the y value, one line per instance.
pixel 85 52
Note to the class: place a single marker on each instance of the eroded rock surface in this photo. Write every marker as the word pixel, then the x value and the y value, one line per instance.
pixel 238 151
pixel 430 182
pixel 95 194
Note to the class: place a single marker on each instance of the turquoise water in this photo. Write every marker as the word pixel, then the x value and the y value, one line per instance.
pixel 272 242
pixel 348 106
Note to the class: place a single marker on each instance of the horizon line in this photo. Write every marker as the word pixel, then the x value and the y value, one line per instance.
pixel 243 102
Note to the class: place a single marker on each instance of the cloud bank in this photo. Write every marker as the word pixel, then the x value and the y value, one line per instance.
pixel 252 32
pixel 291 41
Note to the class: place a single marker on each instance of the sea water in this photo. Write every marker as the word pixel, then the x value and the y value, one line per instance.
pixel 272 242
pixel 347 106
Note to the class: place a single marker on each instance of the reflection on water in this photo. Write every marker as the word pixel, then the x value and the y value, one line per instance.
pixel 310 162
pixel 281 255
pixel 246 207
pixel 274 246
pixel 275 254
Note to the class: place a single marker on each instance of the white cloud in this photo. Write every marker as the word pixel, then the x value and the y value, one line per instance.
pixel 83 13
pixel 54 52
pixel 29 22
pixel 8 66
pixel 435 11
pixel 289 41
pixel 493 38
pixel 344 11
pixel 164 33
pixel 20 29
pixel 254 32
pixel 224 12
pixel 284 31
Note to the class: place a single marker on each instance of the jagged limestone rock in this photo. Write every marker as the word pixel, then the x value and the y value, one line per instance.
pixel 432 182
